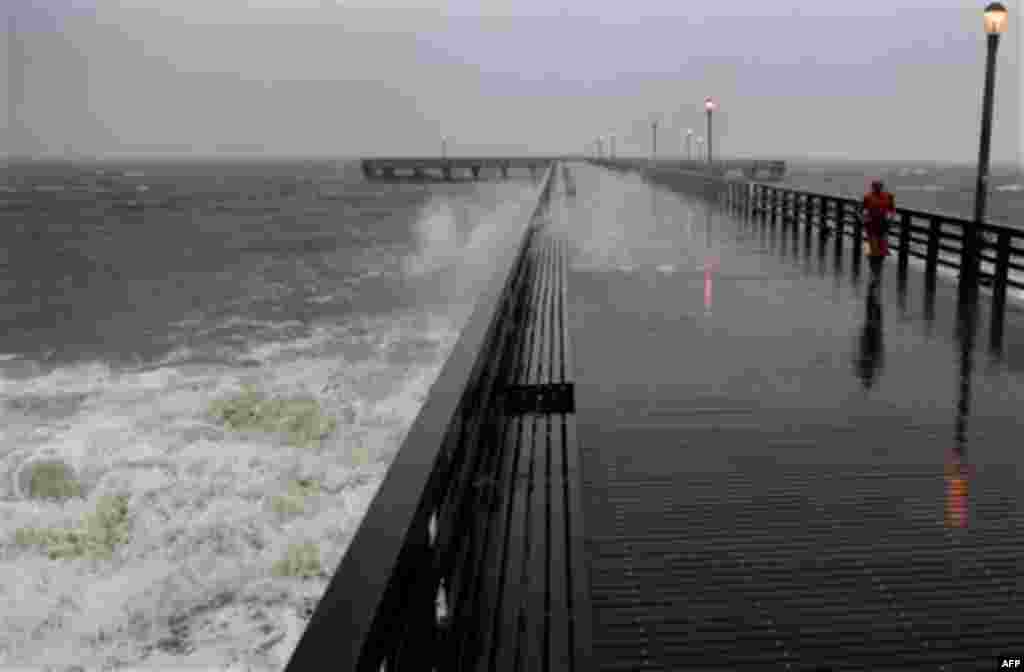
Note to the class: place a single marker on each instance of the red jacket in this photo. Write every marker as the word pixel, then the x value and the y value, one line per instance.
pixel 877 207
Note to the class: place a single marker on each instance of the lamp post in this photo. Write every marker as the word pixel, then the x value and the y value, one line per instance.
pixel 996 18
pixel 709 105
pixel 689 144
pixel 611 146
pixel 444 147
pixel 700 147
pixel 654 140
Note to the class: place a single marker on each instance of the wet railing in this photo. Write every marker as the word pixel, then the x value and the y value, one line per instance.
pixel 402 597
pixel 935 239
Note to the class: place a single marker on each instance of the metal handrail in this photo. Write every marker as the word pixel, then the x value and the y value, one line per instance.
pixel 1000 246
pixel 936 233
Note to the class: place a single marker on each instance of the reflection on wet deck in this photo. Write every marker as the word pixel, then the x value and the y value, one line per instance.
pixel 784 468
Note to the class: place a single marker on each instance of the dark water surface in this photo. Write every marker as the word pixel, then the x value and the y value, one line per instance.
pixel 125 262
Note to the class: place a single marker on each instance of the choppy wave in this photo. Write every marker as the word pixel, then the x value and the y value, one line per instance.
pixel 193 585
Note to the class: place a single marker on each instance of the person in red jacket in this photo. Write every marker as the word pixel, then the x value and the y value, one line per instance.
pixel 878 205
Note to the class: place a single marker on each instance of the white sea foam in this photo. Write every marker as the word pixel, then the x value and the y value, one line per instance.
pixel 198 494
pixel 203 536
pixel 1010 187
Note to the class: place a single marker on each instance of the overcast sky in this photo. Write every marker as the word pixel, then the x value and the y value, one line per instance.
pixel 830 78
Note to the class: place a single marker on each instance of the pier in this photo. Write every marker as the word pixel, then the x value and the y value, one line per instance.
pixel 450 169
pixel 682 431
pixel 403 169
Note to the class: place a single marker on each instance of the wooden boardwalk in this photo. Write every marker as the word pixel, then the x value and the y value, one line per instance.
pixel 768 472
pixel 671 438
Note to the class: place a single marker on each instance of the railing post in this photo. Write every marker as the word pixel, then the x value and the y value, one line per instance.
pixel 858 240
pixel 822 233
pixel 781 222
pixel 780 239
pixel 766 205
pixel 840 232
pixel 808 213
pixel 1000 278
pixel 904 252
pixel 774 208
pixel 932 257
pixel 796 224
pixel 904 258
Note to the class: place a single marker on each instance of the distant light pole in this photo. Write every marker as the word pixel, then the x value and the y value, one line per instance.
pixel 996 18
pixel 654 140
pixel 709 105
pixel 444 147
pixel 689 144
pixel 612 146
pixel 700 147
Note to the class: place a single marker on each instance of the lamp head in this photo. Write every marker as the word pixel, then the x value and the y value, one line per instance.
pixel 996 18
pixel 709 104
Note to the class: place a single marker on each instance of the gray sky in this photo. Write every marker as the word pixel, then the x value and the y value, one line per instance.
pixel 358 77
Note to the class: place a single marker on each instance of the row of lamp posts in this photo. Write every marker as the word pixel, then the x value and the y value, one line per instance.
pixel 608 142
pixel 996 18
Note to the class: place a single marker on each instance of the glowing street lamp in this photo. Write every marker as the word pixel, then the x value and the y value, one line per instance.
pixel 709 105
pixel 995 21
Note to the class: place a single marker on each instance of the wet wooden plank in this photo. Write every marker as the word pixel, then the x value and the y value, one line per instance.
pixel 536 589
pixel 510 533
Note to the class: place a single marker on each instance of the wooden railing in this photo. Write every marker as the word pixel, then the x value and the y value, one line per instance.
pixel 403 596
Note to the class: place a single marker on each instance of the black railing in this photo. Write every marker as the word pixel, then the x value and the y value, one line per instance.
pixel 936 239
pixel 401 597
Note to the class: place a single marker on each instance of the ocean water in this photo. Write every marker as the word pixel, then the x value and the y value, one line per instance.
pixel 135 297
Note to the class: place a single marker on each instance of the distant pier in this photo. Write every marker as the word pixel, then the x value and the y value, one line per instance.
pixel 405 169
pixel 761 170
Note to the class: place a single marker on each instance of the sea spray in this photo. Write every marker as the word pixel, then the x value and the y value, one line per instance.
pixel 217 567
